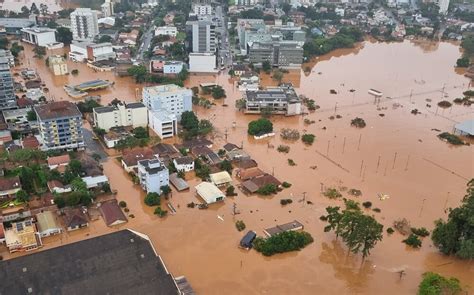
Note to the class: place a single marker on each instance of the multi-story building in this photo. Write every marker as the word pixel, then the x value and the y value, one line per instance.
pixel 7 92
pixel 153 175
pixel 84 24
pixel 202 9
pixel 246 2
pixel 101 51
pixel 166 30
pixel 60 126
pixel 57 65
pixel 165 104
pixel 22 236
pixel 202 62
pixel 9 56
pixel 107 8
pixel 284 54
pixel 281 100
pixel 173 67
pixel 203 34
pixel 121 115
pixel 38 36
pixel 170 97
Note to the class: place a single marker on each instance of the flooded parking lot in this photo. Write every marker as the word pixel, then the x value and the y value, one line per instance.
pixel 397 154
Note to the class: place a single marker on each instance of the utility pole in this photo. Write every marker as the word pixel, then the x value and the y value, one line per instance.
pixel 422 205
pixel 394 159
pixel 344 145
pixel 360 138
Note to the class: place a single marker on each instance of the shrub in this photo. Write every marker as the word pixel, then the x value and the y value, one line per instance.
pixel 390 230
pixel 283 149
pixel 283 242
pixel 160 212
pixel 123 204
pixel 240 225
pixel 435 284
pixel 286 201
pixel 444 104
pixel 291 162
pixel 230 191
pixel 260 126
pixel 421 232
pixel 451 138
pixel 131 216
pixel 367 204
pixel 358 122
pixel 152 199
pixel 463 62
pixel 378 210
pixel 468 93
pixel 289 134
pixel 308 138
pixel 267 189
pixel 323 218
pixel 286 184
pixel 355 192
pixel 413 241
pixel 75 72
pixel 126 210
pixel 332 193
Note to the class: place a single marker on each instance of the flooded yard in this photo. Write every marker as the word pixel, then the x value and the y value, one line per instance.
pixel 397 154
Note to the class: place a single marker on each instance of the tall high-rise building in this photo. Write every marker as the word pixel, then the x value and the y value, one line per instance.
pixel 203 36
pixel 60 126
pixel 107 8
pixel 84 24
pixel 7 93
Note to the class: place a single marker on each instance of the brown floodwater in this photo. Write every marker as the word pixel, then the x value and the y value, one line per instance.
pixel 397 154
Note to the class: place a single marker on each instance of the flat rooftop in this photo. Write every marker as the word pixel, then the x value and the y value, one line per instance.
pixel 123 262
pixel 57 109
pixel 272 94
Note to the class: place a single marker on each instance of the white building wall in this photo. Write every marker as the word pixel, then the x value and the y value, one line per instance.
pixel 84 24
pixel 202 63
pixel 171 98
pixel 168 31
pixel 122 116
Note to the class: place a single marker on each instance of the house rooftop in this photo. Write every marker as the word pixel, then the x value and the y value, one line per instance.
pixel 131 157
pixel 179 183
pixel 9 183
pixel 74 217
pixel 58 160
pixel 122 262
pixel 57 109
pixel 46 221
pixel 186 160
pixel 112 213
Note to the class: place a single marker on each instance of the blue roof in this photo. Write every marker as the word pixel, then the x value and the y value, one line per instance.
pixel 465 127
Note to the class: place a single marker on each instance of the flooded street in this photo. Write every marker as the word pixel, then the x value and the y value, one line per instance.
pixel 397 154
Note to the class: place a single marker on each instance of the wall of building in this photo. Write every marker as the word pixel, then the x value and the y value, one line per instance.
pixel 200 63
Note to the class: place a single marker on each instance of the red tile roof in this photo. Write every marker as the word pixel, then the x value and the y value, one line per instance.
pixel 59 160
pixel 112 213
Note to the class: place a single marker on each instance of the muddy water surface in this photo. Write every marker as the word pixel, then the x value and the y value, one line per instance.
pixel 397 154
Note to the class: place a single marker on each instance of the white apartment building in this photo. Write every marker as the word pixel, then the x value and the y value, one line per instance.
pixel 84 24
pixel 202 63
pixel 166 30
pixel 165 104
pixel 173 67
pixel 38 36
pixel 107 8
pixel 57 65
pixel 101 51
pixel 169 97
pixel 163 123
pixel 200 9
pixel 132 114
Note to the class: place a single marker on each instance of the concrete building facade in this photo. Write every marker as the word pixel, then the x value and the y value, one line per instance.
pixel 38 36
pixel 280 100
pixel 60 126
pixel 121 115
pixel 285 54
pixel 172 98
pixel 202 62
pixel 7 92
pixel 153 175
pixel 203 36
pixel 84 24
pixel 57 65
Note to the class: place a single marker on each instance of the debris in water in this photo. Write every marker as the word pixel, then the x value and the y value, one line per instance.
pixel 332 91
pixel 382 115
pixel 383 197
pixel 220 217
pixel 313 167
pixel 352 90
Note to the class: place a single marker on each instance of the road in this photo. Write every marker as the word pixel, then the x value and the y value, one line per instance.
pixel 224 45
pixel 145 43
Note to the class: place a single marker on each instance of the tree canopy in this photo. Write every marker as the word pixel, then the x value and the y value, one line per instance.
pixel 456 235
pixel 284 242
pixel 260 126
pixel 435 284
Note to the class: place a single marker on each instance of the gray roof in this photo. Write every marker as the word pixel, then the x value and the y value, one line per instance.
pixel 117 263
pixel 179 183
pixel 272 94
pixel 16 23
pixel 57 109
pixel 135 105
pixel 466 127
pixel 101 110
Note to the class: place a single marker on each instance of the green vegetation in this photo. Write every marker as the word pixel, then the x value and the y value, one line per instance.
pixel 463 62
pixel 123 204
pixel 240 225
pixel 283 149
pixel 266 67
pixel 358 122
pixel 456 235
pixel 16 49
pixel 160 212
pixel 451 138
pixel 267 189
pixel 152 199
pixel 75 72
pixel 468 45
pixel 332 193
pixel 421 232
pixel 64 35
pixel 87 106
pixel 435 284
pixel 218 92
pixel 202 171
pixel 291 162
pixel 283 242
pixel 308 138
pixel 358 231
pixel 367 204
pixel 230 191
pixel 390 230
pixel 444 104
pixel 284 202
pixel 226 165
pixel 345 38
pixel 286 184
pixel 413 241
pixel 260 127
pixel 140 132
pixel 39 51
pixel 192 127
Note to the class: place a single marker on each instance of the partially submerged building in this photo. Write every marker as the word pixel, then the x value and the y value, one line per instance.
pixel 281 100
pixel 209 192
pixel 290 226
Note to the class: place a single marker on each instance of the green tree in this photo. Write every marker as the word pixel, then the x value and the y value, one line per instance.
pixel 39 51
pixel 203 172
pixel 152 199
pixel 278 76
pixel 189 120
pixel 75 166
pixel 205 127
pixel 87 106
pixel 27 177
pixel 183 75
pixel 226 165
pixel 218 92
pixel 468 45
pixel 78 185
pixel 456 235
pixel 60 202
pixel 308 138
pixel 16 49
pixel 266 67
pixel 435 284
pixel 105 39
pixel 260 126
pixel 463 62
pixel 283 242
pixel 165 190
pixel 138 72
pixel 22 196
pixel 140 132
pixel 34 9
